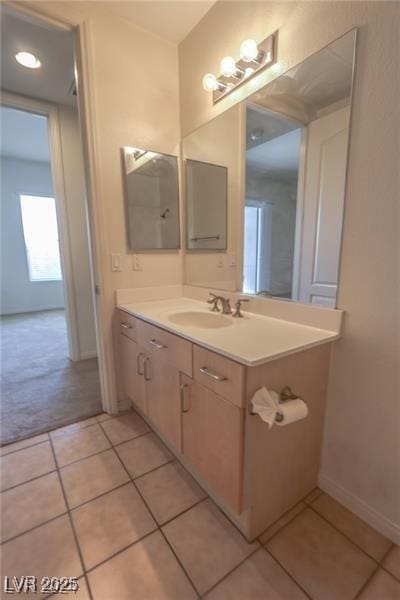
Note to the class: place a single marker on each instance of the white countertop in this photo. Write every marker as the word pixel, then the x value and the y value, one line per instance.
pixel 253 340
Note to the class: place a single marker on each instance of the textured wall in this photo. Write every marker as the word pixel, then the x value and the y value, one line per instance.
pixel 361 452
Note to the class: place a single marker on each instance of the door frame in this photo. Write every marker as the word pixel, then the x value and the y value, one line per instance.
pixel 50 111
pixel 80 27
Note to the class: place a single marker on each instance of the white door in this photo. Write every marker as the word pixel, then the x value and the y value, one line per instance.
pixel 324 187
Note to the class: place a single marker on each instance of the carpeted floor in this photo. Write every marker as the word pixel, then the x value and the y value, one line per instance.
pixel 41 388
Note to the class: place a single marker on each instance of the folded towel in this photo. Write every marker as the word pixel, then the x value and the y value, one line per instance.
pixel 266 404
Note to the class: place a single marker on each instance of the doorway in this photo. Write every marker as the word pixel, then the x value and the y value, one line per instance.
pixel 50 374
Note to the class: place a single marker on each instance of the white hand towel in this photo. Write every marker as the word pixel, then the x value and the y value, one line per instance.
pixel 266 404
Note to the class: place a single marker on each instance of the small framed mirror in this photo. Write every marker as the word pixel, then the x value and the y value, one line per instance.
pixel 151 199
pixel 206 204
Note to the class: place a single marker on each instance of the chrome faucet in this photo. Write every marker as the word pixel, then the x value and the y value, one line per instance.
pixel 225 304
pixel 238 305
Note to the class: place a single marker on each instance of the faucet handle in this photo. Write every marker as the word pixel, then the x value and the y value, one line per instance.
pixel 238 306
pixel 213 299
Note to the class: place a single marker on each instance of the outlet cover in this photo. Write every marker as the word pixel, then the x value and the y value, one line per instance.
pixel 137 263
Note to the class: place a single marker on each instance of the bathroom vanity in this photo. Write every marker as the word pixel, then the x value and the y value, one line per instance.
pixel 191 373
pixel 263 195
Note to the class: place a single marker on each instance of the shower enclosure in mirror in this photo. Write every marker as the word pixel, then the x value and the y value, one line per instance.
pixel 285 151
pixel 151 199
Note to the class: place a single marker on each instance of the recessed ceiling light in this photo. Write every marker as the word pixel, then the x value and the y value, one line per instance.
pixel 27 59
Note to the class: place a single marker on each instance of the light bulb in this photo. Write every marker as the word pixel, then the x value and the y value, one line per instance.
pixel 249 71
pixel 210 82
pixel 249 50
pixel 228 66
pixel 27 59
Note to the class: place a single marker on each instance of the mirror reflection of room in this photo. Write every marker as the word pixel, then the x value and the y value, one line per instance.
pixel 285 149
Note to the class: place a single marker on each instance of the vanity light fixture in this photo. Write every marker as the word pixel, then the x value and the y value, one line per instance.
pixel 28 60
pixel 253 58
pixel 211 83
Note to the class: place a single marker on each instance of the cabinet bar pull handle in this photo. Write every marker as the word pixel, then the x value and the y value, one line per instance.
pixel 157 344
pixel 126 326
pixel 212 375
pixel 138 357
pixel 182 388
pixel 146 375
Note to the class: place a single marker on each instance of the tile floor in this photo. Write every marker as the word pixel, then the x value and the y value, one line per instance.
pixel 105 501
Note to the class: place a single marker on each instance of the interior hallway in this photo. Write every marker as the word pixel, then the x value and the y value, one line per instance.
pixel 41 388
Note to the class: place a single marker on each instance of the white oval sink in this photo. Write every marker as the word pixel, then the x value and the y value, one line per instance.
pixel 202 320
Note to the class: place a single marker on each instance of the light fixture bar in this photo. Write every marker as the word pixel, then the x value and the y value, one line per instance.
pixel 247 69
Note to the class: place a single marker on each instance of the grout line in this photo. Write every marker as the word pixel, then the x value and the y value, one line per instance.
pixel 374 572
pixel 263 544
pixel 287 572
pixel 118 487
pixel 172 460
pixel 345 535
pixel 14 537
pixel 71 522
pixel 24 447
pixel 155 520
pixel 231 570
pixel 28 481
pixel 161 525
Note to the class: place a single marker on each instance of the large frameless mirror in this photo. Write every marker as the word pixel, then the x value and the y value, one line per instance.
pixel 285 151
pixel 151 199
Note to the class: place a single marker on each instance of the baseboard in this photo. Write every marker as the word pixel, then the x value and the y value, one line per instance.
pixel 360 508
pixel 89 354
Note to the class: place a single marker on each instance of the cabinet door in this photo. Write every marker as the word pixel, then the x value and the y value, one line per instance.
pixel 132 372
pixel 163 398
pixel 212 434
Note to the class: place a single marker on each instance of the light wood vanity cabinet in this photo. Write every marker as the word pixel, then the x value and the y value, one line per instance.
pixel 199 402
pixel 212 431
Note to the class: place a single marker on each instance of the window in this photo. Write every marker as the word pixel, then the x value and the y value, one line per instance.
pixel 41 237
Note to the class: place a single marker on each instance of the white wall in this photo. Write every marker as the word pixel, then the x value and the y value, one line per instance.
pixel 75 201
pixel 18 293
pixel 361 457
pixel 134 101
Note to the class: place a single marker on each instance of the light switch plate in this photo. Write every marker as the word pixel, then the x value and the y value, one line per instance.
pixel 220 261
pixel 116 264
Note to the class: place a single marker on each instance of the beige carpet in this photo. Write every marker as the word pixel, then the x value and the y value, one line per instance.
pixel 41 388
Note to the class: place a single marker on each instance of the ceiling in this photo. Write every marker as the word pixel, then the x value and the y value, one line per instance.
pixel 55 78
pixel 278 157
pixel 317 83
pixel 172 21
pixel 23 135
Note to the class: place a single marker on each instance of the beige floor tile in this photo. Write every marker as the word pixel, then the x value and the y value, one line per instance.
pixel 392 561
pixel 32 441
pixel 26 464
pixel 92 476
pixel 370 540
pixel 81 594
pixel 108 524
pixel 284 520
pixel 103 417
pixel 169 490
pixel 143 454
pixel 73 427
pixel 207 544
pixel 146 571
pixel 320 559
pixel 125 427
pixel 259 578
pixel 48 550
pixel 309 499
pixel 30 504
pixel 74 445
pixel 381 587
